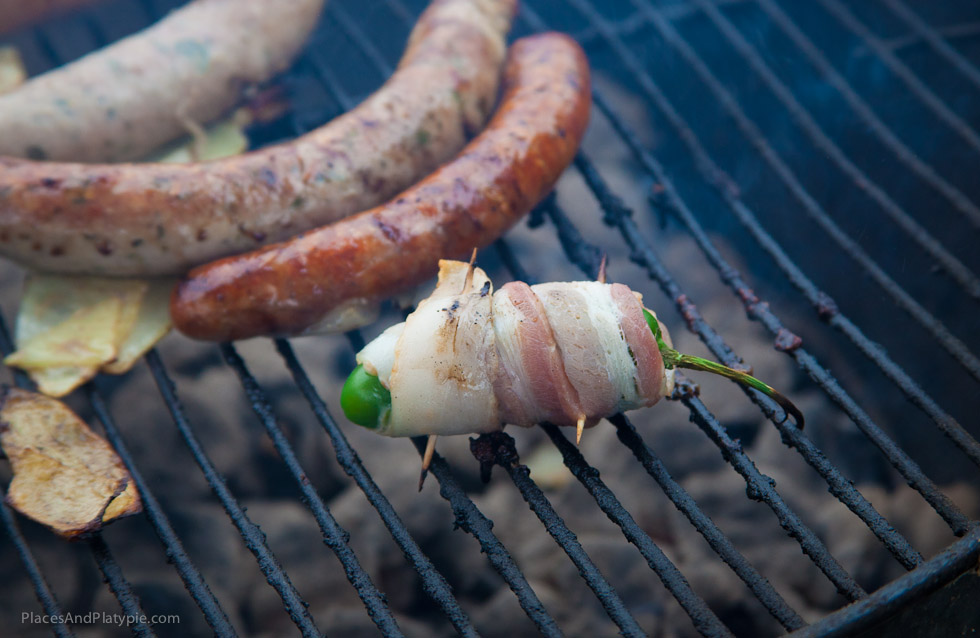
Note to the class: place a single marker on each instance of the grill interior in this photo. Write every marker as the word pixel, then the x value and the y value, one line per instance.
pixel 809 163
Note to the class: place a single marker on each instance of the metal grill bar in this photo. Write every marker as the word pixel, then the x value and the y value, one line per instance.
pixel 113 575
pixel 953 266
pixel 192 577
pixel 896 595
pixel 468 516
pixel 252 536
pixel 499 450
pixel 704 619
pixel 760 487
pixel 365 44
pixel 839 485
pixel 869 118
pixel 103 557
pixel 896 456
pixel 471 519
pixel 716 177
pixel 824 305
pixel 930 35
pixel 49 603
pixel 917 87
pixel 720 543
pixel 335 537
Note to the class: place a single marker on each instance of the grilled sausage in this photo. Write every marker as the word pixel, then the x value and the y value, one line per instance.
pixel 18 13
pixel 126 100
pixel 294 286
pixel 162 219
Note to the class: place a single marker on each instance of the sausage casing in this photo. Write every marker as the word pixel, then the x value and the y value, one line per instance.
pixel 162 219
pixel 291 287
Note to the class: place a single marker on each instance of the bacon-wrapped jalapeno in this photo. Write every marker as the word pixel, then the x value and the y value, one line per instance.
pixel 469 360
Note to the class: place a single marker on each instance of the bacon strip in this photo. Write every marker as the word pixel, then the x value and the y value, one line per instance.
pixel 445 361
pixel 586 366
pixel 532 385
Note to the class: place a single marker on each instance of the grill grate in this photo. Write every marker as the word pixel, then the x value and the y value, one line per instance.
pixel 500 449
pixel 175 552
pixel 914 84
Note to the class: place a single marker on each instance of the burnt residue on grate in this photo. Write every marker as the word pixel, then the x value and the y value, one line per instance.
pixel 745 154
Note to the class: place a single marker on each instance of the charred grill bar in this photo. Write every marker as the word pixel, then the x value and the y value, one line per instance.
pixel 926 575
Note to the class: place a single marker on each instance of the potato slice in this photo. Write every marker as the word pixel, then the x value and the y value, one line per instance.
pixel 69 327
pixel 151 325
pixel 114 323
pixel 49 300
pixel 12 71
pixel 223 139
pixel 58 382
pixel 89 337
pixel 65 476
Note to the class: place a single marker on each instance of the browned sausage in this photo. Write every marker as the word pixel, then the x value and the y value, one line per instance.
pixel 293 286
pixel 160 219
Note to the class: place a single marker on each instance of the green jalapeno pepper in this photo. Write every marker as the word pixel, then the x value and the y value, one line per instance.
pixel 364 400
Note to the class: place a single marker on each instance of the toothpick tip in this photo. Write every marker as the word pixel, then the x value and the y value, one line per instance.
pixel 468 282
pixel 430 449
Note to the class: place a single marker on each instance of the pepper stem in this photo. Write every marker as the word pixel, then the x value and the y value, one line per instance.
pixel 675 359
pixel 697 363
